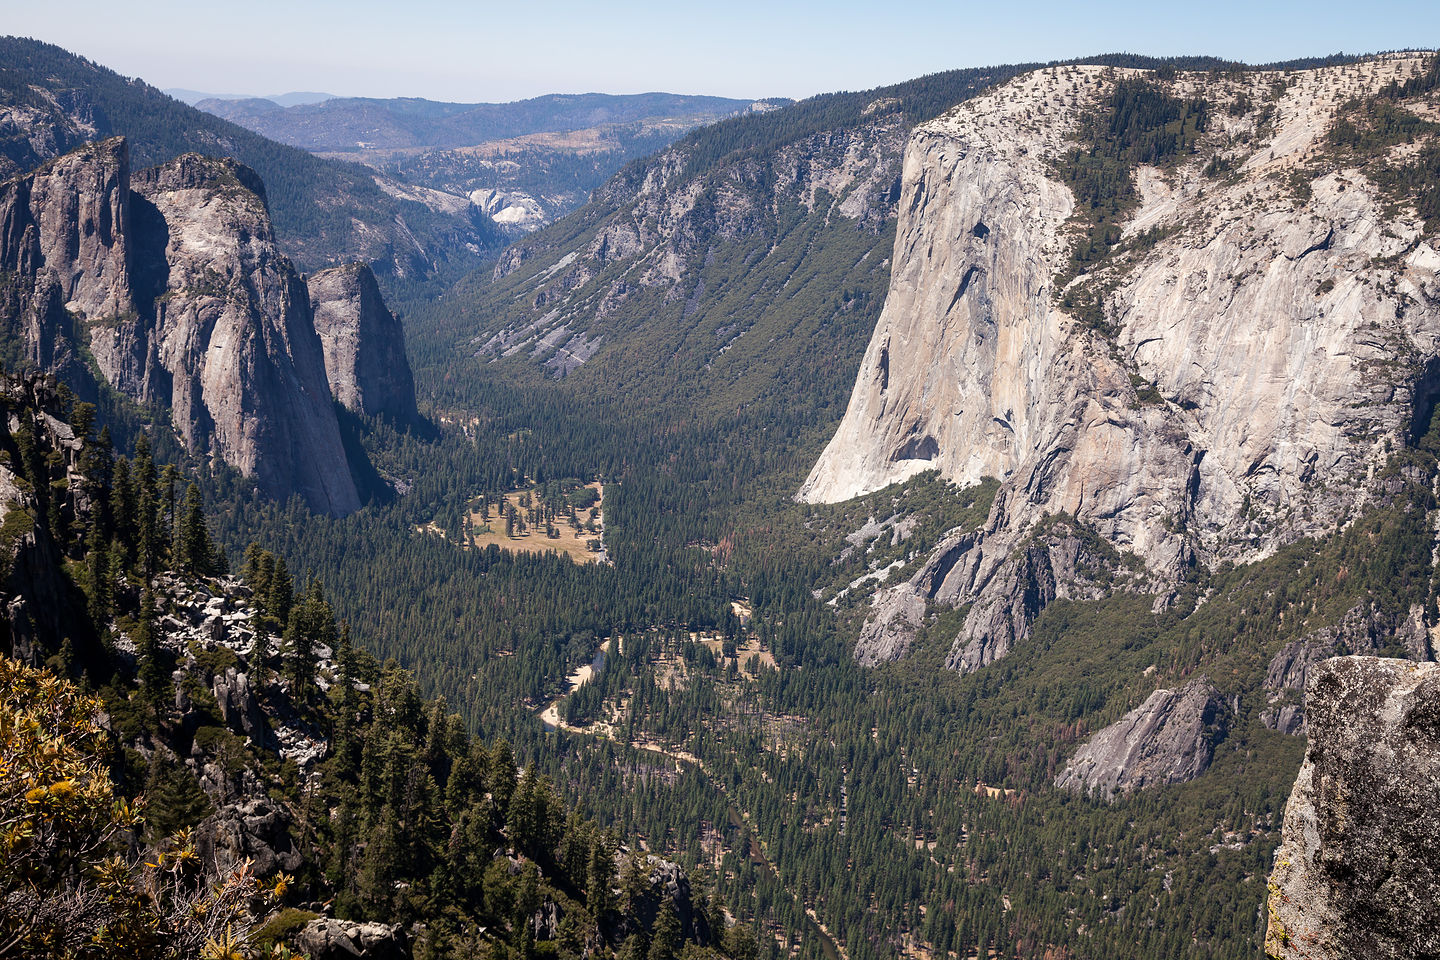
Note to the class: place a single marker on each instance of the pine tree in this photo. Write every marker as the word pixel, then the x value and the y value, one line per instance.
pixel 97 573
pixel 259 657
pixel 503 774
pixel 527 904
pixel 312 625
pixel 600 877
pixel 194 550
pixel 665 932
pixel 169 523
pixel 346 755
pixel 174 799
pixel 281 595
pixel 741 944
pixel 715 917
pixel 522 817
pixel 256 570
pixel 635 888
pixel 155 682
pixel 147 509
pixel 437 742
pixel 122 510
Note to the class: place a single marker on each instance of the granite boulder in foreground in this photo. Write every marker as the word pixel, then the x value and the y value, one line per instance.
pixel 1358 869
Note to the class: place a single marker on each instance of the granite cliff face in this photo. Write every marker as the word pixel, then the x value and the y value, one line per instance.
pixel 364 344
pixel 64 251
pixel 1262 345
pixel 176 286
pixel 1356 873
pixel 1170 738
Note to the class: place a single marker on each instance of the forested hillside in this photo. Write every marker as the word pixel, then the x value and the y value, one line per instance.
pixel 209 767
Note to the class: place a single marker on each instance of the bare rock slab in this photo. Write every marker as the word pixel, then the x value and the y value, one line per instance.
pixel 1170 738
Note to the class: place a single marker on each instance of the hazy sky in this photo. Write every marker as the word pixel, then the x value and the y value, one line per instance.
pixel 452 50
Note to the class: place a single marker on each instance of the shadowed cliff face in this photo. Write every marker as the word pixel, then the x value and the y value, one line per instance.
pixel 180 293
pixel 363 342
pixel 1257 355
pixel 1356 874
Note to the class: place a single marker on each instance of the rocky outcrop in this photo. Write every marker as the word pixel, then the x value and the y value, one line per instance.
pixel 255 830
pixel 364 344
pixel 329 939
pixel 1356 873
pixel 1058 560
pixel 40 604
pixel 176 286
pixel 667 881
pixel 1363 630
pixel 1170 738
pixel 239 710
pixel 1177 428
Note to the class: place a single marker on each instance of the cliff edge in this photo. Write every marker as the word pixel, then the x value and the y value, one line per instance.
pixel 1356 873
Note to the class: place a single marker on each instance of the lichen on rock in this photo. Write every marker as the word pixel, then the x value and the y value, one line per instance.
pixel 1356 873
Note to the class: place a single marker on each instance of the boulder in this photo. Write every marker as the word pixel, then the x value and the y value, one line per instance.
pixel 330 939
pixel 255 830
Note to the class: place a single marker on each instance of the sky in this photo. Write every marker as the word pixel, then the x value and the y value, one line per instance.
pixel 482 51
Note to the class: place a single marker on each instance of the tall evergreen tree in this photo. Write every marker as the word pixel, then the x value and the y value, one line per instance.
pixel 665 932
pixel 281 595
pixel 122 510
pixel 147 510
pixel 97 572
pixel 311 626
pixel 194 550
pixel 155 682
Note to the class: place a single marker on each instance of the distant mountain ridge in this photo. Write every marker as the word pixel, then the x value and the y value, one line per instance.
pixel 324 212
pixel 290 99
pixel 354 123
pixel 525 163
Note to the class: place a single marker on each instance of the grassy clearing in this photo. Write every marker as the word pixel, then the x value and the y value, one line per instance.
pixel 526 521
pixel 534 529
